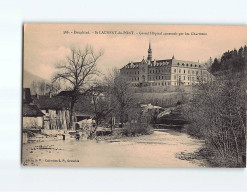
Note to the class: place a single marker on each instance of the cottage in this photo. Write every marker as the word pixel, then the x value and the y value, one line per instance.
pixel 56 110
pixel 32 117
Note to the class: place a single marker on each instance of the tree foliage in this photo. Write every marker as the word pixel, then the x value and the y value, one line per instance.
pixel 233 61
pixel 77 71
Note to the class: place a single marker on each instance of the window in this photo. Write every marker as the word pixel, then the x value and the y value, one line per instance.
pixel 175 70
pixel 138 72
pixel 188 78
pixel 150 71
pixel 153 71
pixel 175 77
pixel 179 70
pixel 159 77
pixel 184 77
pixel 162 77
pixel 188 71
pixel 184 71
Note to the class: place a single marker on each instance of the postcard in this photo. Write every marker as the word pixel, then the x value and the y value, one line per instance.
pixel 131 95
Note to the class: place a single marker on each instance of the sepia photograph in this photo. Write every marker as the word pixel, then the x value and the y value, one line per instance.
pixel 134 95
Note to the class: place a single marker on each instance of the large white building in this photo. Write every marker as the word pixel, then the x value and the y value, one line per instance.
pixel 166 72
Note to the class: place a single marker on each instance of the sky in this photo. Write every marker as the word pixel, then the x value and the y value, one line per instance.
pixel 46 44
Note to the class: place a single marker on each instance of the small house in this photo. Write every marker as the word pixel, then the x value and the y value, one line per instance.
pixel 32 117
pixel 56 110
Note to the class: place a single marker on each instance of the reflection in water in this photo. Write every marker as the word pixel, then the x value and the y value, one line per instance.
pixel 156 150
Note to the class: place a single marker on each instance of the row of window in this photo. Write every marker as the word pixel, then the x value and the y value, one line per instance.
pixel 150 71
pixel 134 79
pixel 184 71
pixel 159 71
pixel 168 70
pixel 151 78
pixel 189 78
pixel 131 73
pixel 159 77
pixel 184 78
pixel 159 84
pixel 183 64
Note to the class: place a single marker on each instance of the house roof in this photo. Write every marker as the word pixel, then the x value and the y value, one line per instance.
pixel 56 102
pixel 66 93
pixel 31 111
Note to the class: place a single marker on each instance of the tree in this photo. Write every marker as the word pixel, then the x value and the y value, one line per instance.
pixel 121 95
pixel 40 87
pixel 100 101
pixel 77 70
pixel 215 66
pixel 218 115
pixel 241 51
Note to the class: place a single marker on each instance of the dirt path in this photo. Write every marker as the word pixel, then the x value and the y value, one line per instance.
pixel 157 150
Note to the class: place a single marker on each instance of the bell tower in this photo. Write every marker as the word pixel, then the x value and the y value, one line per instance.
pixel 149 52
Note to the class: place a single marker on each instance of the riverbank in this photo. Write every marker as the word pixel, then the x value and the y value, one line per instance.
pixel 159 149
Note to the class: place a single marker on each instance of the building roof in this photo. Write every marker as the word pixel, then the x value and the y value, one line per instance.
pixel 66 93
pixel 55 102
pixel 29 110
pixel 165 62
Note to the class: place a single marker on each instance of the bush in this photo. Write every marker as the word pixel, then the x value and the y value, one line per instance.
pixel 218 115
pixel 137 129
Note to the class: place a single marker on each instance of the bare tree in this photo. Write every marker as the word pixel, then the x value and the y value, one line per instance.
pixel 121 95
pixel 76 71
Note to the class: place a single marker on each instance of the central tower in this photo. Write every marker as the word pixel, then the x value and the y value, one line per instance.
pixel 149 52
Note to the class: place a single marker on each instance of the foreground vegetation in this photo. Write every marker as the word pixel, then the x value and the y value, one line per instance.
pixel 217 113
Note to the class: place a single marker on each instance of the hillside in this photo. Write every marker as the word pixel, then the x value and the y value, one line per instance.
pixel 28 78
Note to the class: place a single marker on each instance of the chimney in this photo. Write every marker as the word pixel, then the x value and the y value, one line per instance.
pixel 26 95
pixel 50 94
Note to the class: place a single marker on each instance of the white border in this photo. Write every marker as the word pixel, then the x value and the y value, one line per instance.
pixel 13 14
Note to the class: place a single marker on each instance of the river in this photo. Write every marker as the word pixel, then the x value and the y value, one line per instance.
pixel 160 149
